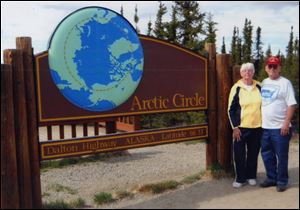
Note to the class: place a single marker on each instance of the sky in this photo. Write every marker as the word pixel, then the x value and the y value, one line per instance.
pixel 39 19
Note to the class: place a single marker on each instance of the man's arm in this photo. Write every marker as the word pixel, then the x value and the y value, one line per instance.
pixel 286 124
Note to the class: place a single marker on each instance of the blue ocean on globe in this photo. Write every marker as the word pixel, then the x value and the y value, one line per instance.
pixel 96 59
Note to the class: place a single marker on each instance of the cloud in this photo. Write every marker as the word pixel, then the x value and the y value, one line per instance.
pixel 39 19
pixel 275 19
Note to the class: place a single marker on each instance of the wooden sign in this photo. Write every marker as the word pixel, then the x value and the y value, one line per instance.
pixel 93 145
pixel 174 80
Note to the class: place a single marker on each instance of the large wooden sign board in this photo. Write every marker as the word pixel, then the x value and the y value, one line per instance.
pixel 98 68
pixel 174 80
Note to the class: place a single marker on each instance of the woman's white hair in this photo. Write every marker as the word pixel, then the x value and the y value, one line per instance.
pixel 246 66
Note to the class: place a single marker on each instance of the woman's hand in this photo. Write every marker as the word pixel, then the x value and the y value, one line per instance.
pixel 236 135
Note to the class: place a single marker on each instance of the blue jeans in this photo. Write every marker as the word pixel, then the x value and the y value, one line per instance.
pixel 274 151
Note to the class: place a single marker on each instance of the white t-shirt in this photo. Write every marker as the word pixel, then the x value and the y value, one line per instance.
pixel 277 95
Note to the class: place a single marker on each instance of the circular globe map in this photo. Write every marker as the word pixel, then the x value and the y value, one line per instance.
pixel 96 59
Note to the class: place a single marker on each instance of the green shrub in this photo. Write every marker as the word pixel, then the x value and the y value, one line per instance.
pixel 103 197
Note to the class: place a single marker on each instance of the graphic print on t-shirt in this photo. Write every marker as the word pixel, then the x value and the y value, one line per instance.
pixel 269 94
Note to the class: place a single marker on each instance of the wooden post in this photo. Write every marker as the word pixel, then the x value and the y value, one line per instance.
pixel 9 172
pixel 15 58
pixel 211 146
pixel 96 128
pixel 224 84
pixel 85 129
pixel 24 43
pixel 49 132
pixel 73 130
pixel 236 74
pixel 137 122
pixel 61 132
pixel 111 127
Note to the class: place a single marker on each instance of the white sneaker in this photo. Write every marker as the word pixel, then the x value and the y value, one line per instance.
pixel 251 182
pixel 238 185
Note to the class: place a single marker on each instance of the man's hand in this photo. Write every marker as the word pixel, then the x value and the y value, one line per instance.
pixel 236 135
pixel 285 128
pixel 286 124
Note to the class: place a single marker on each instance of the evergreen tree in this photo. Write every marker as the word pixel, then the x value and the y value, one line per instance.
pixel 263 74
pixel 290 51
pixel 159 27
pixel 211 29
pixel 268 52
pixel 190 24
pixel 172 26
pixel 223 50
pixel 290 70
pixel 258 63
pixel 295 80
pixel 149 30
pixel 122 11
pixel 136 19
pixel 296 47
pixel 247 45
pixel 234 46
pixel 239 49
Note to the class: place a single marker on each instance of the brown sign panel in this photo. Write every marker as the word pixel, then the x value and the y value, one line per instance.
pixel 85 146
pixel 174 80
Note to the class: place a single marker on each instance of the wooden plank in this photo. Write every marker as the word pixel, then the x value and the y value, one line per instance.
pixel 9 174
pixel 15 58
pixel 49 132
pixel 224 84
pixel 120 141
pixel 236 75
pixel 111 127
pixel 137 122
pixel 96 128
pixel 25 44
pixel 73 130
pixel 211 146
pixel 85 129
pixel 61 132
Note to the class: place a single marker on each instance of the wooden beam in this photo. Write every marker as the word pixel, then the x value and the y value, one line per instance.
pixel 211 146
pixel 9 172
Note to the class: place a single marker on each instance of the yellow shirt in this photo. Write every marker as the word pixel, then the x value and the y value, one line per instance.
pixel 244 106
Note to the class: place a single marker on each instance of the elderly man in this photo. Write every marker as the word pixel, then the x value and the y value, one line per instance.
pixel 278 107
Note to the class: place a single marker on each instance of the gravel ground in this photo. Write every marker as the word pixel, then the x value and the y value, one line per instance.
pixel 141 166
pixel 166 162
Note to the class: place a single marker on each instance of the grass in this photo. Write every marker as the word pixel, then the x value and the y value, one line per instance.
pixel 103 197
pixel 61 188
pixel 217 172
pixel 79 203
pixel 193 178
pixel 124 194
pixel 57 204
pixel 160 187
pixel 61 204
pixel 45 194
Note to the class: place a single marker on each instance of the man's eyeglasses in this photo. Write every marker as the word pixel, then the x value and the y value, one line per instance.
pixel 272 66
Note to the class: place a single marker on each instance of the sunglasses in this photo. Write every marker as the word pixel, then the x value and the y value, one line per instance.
pixel 272 66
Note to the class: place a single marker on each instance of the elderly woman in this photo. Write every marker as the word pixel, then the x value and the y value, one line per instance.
pixel 244 111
